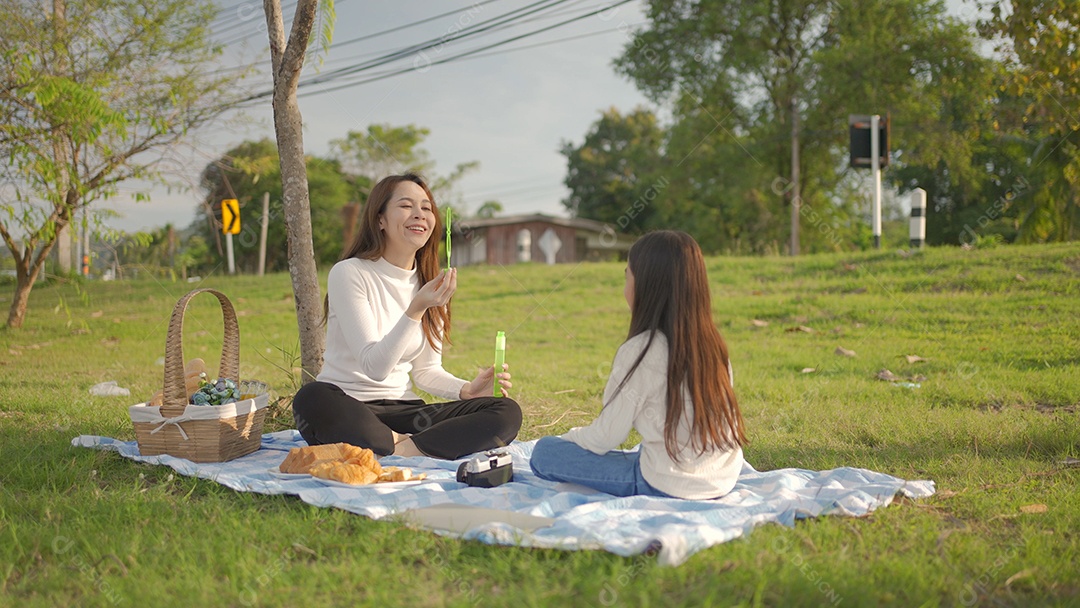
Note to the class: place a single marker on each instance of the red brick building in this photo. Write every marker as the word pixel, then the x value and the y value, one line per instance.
pixel 535 238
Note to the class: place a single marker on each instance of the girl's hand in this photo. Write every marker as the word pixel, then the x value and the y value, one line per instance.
pixel 436 292
pixel 484 383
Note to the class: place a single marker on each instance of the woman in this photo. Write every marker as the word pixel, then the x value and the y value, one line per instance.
pixel 387 315
pixel 671 381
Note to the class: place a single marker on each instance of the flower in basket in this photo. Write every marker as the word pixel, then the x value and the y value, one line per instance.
pixel 218 392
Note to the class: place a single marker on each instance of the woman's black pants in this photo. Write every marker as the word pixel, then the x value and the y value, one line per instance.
pixel 325 414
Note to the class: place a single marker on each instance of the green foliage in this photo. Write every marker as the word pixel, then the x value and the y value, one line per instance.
pixel 1040 39
pixel 383 150
pixel 732 74
pixel 194 252
pixel 750 62
pixel 158 253
pixel 251 168
pixel 62 99
pixel 367 157
pixel 489 209
pixel 325 21
pixel 91 93
pixel 992 425
pixel 1037 95
pixel 612 173
pixel 246 172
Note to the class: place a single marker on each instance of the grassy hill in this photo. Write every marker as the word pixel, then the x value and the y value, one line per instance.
pixel 992 421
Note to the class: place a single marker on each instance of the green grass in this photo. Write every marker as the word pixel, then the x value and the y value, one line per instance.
pixel 991 424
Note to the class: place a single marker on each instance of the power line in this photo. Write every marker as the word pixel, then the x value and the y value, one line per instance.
pixel 545 43
pixel 520 186
pixel 466 32
pixel 242 23
pixel 406 26
pixel 500 52
pixel 551 15
pixel 339 45
pixel 452 58
pixel 500 22
pixel 394 55
pixel 541 189
pixel 220 15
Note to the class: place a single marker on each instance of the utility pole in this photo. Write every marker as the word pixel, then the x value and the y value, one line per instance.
pixel 262 235
pixel 875 170
pixel 796 191
pixel 230 225
pixel 870 148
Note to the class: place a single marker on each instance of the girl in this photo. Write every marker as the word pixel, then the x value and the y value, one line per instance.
pixel 671 381
pixel 387 314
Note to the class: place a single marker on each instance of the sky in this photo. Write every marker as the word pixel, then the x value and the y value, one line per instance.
pixel 511 111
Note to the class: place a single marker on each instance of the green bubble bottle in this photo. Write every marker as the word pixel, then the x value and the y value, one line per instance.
pixel 500 358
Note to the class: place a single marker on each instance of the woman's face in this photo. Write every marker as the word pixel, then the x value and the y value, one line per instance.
pixel 408 219
pixel 628 289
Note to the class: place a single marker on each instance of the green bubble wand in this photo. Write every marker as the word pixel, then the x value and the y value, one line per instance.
pixel 448 238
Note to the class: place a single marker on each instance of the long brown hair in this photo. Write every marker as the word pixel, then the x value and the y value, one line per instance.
pixel 671 296
pixel 370 243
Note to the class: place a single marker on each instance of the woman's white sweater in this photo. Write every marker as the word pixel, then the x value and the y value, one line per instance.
pixel 372 346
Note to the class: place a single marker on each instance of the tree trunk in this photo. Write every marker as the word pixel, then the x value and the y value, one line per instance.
pixel 302 269
pixel 17 312
pixel 26 274
pixel 28 268
pixel 287 61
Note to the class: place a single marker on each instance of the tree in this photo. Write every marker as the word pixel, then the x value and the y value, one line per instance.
pixel 764 86
pixel 367 157
pixel 1039 40
pixel 156 253
pixel 245 173
pixel 93 94
pixel 489 209
pixel 612 174
pixel 287 61
pixel 943 112
pixel 383 150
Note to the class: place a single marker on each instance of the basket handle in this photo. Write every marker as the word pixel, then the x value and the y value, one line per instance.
pixel 175 390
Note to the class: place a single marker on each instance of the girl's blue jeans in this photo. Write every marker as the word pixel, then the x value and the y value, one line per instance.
pixel 616 472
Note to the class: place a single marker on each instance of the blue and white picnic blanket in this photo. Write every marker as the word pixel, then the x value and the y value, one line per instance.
pixel 539 513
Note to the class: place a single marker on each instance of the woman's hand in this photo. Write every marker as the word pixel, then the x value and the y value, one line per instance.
pixel 436 292
pixel 484 383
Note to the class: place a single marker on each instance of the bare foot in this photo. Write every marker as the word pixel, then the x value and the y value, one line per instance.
pixel 399 437
pixel 406 448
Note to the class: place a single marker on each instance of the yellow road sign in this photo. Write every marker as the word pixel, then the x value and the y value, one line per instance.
pixel 230 216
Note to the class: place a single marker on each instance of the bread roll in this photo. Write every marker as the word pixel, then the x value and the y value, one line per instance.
pixel 300 460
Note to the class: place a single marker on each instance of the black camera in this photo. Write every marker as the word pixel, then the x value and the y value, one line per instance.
pixel 492 469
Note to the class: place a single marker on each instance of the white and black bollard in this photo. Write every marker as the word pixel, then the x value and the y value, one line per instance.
pixel 918 218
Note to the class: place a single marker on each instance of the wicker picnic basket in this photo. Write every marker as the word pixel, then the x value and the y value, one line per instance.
pixel 200 433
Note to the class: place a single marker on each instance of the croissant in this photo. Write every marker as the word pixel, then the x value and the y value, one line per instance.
pixel 363 457
pixel 345 463
pixel 344 472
